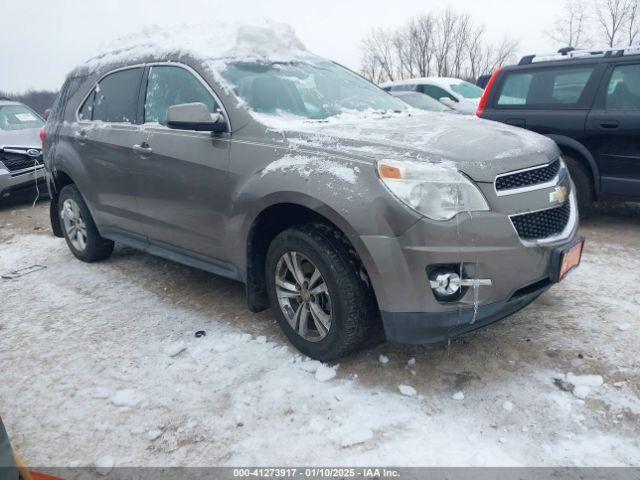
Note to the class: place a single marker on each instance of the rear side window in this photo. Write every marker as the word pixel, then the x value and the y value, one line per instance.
pixel 623 91
pixel 169 86
pixel 116 96
pixel 545 87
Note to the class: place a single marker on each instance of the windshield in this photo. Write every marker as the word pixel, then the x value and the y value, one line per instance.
pixel 423 102
pixel 315 90
pixel 18 117
pixel 467 90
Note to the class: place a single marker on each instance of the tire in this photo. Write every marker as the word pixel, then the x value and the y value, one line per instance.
pixel 584 186
pixel 94 248
pixel 351 303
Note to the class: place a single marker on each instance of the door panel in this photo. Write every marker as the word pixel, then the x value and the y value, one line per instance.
pixel 613 129
pixel 183 190
pixel 180 175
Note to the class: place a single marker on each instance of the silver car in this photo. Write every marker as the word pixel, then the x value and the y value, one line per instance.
pixel 21 164
pixel 353 218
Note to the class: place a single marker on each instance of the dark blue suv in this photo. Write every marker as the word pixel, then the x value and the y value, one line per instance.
pixel 589 103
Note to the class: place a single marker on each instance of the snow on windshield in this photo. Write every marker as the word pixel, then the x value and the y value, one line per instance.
pixel 314 89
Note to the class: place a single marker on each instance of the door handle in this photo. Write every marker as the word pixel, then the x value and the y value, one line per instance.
pixel 609 124
pixel 80 136
pixel 143 149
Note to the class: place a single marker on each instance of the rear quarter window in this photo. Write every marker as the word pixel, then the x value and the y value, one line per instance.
pixel 545 87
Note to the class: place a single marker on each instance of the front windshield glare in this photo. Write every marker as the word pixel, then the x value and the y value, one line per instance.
pixel 467 90
pixel 17 117
pixel 315 90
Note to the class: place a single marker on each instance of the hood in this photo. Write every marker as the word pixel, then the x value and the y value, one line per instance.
pixel 479 148
pixel 27 138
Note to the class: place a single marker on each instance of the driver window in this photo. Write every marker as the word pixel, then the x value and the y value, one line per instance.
pixel 167 86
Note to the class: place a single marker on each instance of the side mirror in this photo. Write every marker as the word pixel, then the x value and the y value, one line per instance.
pixel 47 112
pixel 447 101
pixel 195 116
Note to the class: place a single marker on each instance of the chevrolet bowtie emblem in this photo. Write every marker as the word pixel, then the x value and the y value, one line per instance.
pixel 559 195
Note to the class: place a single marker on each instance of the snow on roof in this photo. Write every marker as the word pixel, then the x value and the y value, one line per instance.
pixel 259 40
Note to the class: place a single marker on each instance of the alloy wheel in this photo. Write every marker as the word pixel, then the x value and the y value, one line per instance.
pixel 74 225
pixel 303 296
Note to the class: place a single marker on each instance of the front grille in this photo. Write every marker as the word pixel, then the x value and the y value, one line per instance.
pixel 528 178
pixel 16 162
pixel 542 224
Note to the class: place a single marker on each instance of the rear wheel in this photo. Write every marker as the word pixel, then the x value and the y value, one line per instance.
pixel 79 229
pixel 318 297
pixel 584 186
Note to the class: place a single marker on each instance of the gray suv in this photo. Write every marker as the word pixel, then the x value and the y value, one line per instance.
pixel 354 218
pixel 20 148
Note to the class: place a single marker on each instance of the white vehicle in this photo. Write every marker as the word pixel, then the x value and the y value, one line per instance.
pixel 453 92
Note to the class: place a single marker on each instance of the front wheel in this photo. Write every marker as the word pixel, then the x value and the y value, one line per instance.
pixel 320 300
pixel 79 229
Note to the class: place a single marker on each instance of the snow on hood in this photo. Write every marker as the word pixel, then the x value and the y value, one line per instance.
pixel 479 148
pixel 265 40
pixel 25 138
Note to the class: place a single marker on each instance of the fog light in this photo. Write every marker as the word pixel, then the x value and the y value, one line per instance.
pixel 446 284
pixel 450 283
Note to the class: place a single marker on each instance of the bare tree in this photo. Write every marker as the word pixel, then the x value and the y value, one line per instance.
pixel 422 32
pixel 633 23
pixel 446 44
pixel 614 19
pixel 477 54
pixel 445 28
pixel 460 43
pixel 379 50
pixel 571 28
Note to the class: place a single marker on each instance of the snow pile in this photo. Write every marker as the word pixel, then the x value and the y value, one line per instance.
pixel 407 390
pixel 580 385
pixel 325 373
pixel 264 40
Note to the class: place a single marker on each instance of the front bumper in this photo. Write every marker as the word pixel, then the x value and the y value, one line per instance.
pixel 438 327
pixel 14 182
pixel 488 247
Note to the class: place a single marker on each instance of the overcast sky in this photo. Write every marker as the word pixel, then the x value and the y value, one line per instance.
pixel 41 40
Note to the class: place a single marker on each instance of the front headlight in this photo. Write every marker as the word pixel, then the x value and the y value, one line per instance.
pixel 439 192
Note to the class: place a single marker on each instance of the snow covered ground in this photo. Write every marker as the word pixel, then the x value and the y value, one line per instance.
pixel 99 364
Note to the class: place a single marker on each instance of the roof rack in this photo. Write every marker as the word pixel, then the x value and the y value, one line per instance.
pixel 569 53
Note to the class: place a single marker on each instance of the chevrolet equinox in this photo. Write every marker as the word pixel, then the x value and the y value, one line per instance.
pixel 347 212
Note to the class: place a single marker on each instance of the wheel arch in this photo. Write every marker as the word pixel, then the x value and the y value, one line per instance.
pixel 58 180
pixel 277 217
